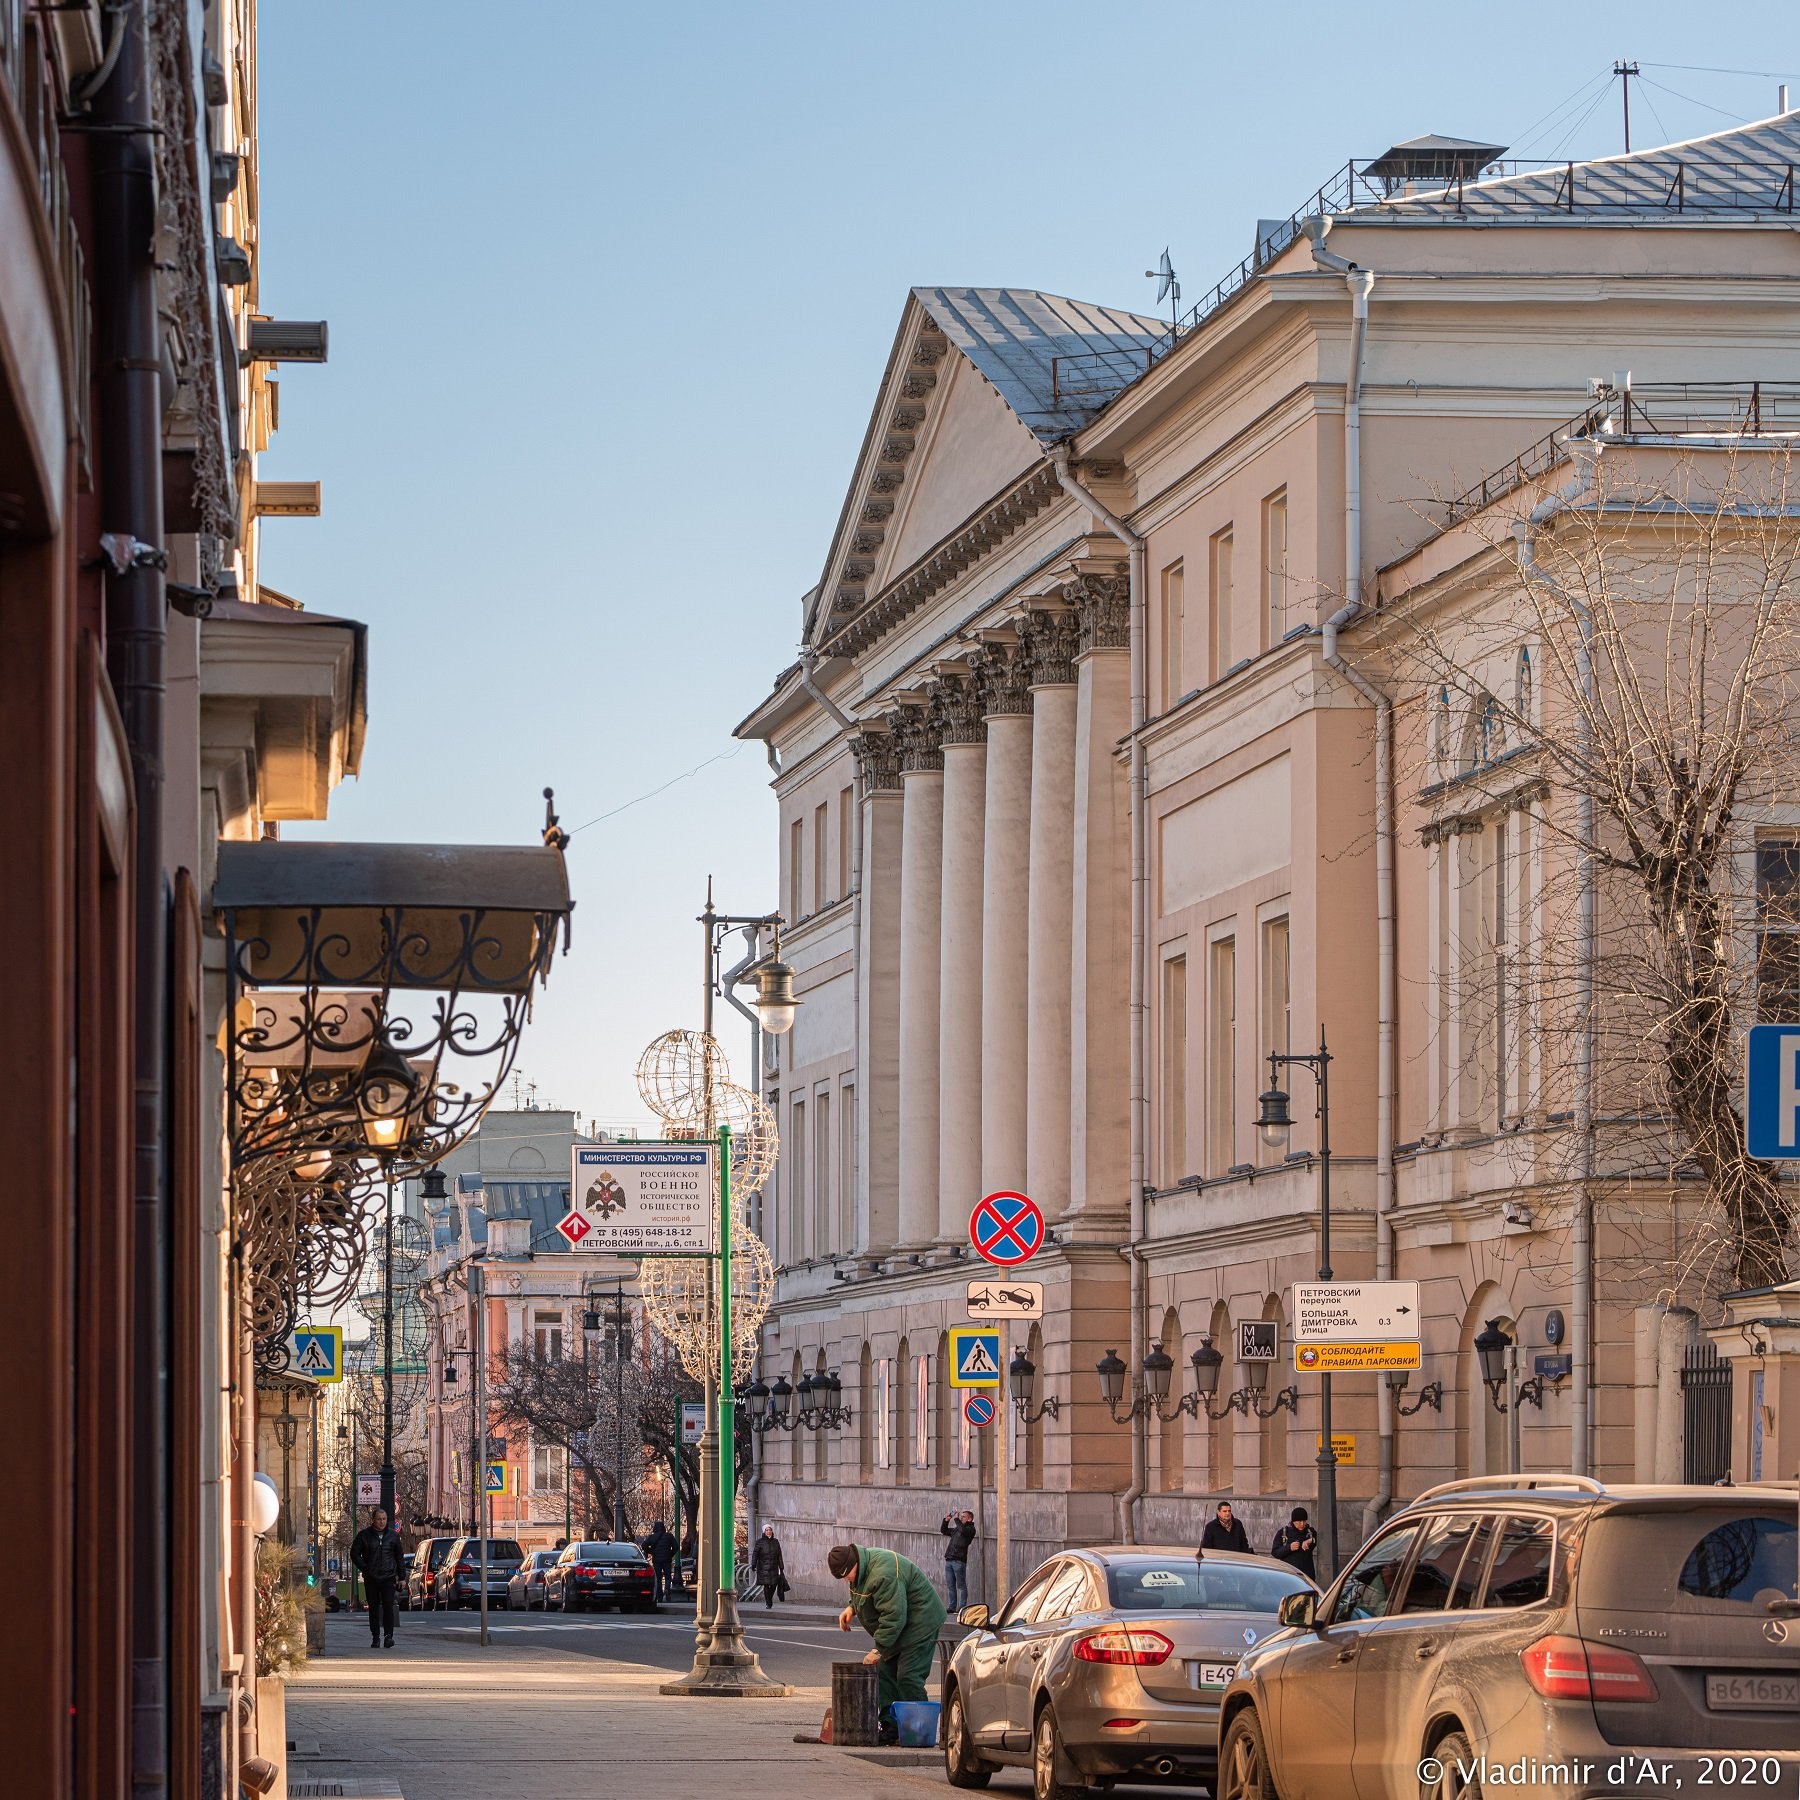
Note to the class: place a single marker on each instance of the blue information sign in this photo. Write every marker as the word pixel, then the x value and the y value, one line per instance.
pixel 1772 1093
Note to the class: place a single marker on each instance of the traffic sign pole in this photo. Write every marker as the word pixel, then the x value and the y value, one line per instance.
pixel 1002 1449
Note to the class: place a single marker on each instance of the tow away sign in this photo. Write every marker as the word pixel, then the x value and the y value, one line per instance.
pixel 1355 1312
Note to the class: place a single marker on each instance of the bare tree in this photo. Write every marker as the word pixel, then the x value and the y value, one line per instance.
pixel 1628 661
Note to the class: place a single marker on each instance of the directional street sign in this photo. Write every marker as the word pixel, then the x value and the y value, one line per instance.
pixel 978 1409
pixel 318 1351
pixel 1341 1359
pixel 1772 1093
pixel 1259 1340
pixel 1007 1229
pixel 495 1482
pixel 974 1357
pixel 1355 1312
pixel 1007 1299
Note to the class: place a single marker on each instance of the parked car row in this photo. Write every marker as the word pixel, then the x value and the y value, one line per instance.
pixel 1545 1621
pixel 446 1572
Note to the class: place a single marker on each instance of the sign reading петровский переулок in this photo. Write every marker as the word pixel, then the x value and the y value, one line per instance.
pixel 647 1199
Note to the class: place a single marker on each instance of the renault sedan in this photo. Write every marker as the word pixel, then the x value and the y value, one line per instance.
pixel 1108 1663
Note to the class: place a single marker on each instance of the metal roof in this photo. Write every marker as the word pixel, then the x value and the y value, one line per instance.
pixel 1749 169
pixel 1016 337
pixel 296 873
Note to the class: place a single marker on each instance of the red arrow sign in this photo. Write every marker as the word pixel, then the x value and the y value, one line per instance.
pixel 574 1227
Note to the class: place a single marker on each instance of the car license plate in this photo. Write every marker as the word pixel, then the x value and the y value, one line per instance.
pixel 1214 1674
pixel 1753 1693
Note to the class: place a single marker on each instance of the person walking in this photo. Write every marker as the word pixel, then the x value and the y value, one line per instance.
pixel 659 1546
pixel 1223 1532
pixel 895 1603
pixel 379 1556
pixel 959 1528
pixel 1295 1543
pixel 766 1565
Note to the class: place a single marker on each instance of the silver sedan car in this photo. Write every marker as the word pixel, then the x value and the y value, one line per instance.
pixel 1108 1663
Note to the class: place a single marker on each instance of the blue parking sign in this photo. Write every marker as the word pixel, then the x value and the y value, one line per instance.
pixel 1772 1093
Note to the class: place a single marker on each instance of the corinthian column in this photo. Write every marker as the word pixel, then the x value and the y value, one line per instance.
pixel 921 929
pixel 878 998
pixel 1003 677
pixel 1099 1035
pixel 1050 651
pixel 960 945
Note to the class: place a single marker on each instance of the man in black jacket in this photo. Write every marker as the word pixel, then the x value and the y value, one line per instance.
pixel 767 1567
pixel 1223 1532
pixel 659 1546
pixel 378 1553
pixel 959 1528
pixel 1295 1543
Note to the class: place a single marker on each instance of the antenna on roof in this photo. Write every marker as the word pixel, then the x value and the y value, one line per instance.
pixel 1167 287
pixel 1625 71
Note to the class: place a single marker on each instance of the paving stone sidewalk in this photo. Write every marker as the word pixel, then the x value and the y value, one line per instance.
pixel 522 1720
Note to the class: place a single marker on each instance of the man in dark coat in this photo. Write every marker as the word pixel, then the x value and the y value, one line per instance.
pixel 379 1555
pixel 659 1546
pixel 1295 1543
pixel 1223 1532
pixel 894 1601
pixel 959 1528
pixel 766 1565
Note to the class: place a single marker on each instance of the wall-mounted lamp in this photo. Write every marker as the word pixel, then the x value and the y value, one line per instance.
pixel 1431 1394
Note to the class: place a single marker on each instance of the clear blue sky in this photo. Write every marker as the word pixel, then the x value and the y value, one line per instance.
pixel 610 288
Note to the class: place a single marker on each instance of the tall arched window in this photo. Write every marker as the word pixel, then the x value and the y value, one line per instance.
pixel 865 1416
pixel 1522 696
pixel 1034 1432
pixel 903 1405
pixel 1174 1431
pixel 944 1399
pixel 1440 734
pixel 796 1447
pixel 1223 1431
pixel 821 1439
pixel 1273 1432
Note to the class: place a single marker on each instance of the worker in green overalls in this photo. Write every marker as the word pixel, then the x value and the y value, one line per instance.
pixel 895 1602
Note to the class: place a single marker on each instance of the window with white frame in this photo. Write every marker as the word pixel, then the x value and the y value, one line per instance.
pixel 1221 1055
pixel 547 1334
pixel 1275 564
pixel 921 1425
pixel 1174 1070
pixel 884 1413
pixel 549 1463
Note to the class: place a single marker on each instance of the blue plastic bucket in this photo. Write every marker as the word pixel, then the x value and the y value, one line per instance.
pixel 918 1722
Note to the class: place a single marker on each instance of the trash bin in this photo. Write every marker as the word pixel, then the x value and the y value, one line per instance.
pixel 855 1719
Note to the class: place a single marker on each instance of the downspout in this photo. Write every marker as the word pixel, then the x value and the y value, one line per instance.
pixel 1586 454
pixel 131 519
pixel 1360 282
pixel 1140 929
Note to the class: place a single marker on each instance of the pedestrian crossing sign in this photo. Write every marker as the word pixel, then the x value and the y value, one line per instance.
pixel 496 1478
pixel 318 1351
pixel 974 1356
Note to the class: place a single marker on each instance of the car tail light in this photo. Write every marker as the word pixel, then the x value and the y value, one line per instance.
pixel 465 1568
pixel 1567 1668
pixel 1124 1644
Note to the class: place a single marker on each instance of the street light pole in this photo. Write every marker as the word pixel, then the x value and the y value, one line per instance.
pixel 387 1357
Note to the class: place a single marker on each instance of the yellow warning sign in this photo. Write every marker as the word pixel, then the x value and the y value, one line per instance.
pixel 1343 1447
pixel 1329 1359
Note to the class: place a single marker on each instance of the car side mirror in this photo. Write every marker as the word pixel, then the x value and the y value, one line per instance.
pixel 1299 1609
pixel 975 1617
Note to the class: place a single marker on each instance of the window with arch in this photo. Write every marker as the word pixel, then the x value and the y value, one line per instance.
pixel 1484 734
pixel 796 1446
pixel 1522 696
pixel 1481 1429
pixel 945 1410
pixel 1034 1432
pixel 821 1439
pixel 1440 733
pixel 1173 1432
pixel 903 1407
pixel 865 1416
pixel 1273 1432
pixel 1221 1431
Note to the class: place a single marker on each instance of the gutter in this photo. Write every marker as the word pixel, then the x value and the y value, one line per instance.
pixel 1586 452
pixel 1360 282
pixel 1138 1028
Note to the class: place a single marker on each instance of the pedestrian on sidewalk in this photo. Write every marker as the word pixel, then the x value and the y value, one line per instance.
pixel 1223 1532
pixel 959 1528
pixel 377 1552
pixel 1295 1543
pixel 767 1567
pixel 659 1546
pixel 893 1599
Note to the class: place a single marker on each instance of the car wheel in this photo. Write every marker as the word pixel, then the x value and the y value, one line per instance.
pixel 1453 1782
pixel 1244 1761
pixel 962 1768
pixel 1051 1770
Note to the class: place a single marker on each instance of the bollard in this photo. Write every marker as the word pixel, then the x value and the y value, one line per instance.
pixel 854 1715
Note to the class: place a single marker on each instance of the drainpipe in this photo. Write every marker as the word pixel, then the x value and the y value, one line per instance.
pixel 1360 281
pixel 1586 452
pixel 1138 1003
pixel 128 337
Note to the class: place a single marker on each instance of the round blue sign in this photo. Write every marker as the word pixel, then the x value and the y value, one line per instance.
pixel 978 1409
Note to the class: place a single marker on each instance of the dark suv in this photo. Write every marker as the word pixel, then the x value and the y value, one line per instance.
pixel 422 1572
pixel 1537 1632
pixel 459 1581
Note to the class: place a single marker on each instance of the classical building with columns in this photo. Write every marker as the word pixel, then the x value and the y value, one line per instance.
pixel 1090 798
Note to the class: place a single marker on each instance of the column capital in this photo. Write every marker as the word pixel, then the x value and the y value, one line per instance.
pixel 957 699
pixel 1102 603
pixel 919 732
pixel 1002 675
pixel 877 760
pixel 1050 643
